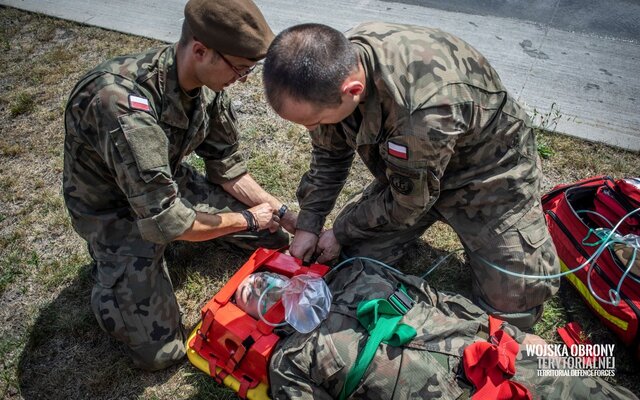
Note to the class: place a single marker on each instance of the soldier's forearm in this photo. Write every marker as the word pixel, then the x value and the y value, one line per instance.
pixel 246 190
pixel 207 226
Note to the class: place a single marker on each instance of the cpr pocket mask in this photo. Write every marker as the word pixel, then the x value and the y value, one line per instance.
pixel 306 298
pixel 307 301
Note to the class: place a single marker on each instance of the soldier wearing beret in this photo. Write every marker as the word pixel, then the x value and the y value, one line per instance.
pixel 443 140
pixel 129 125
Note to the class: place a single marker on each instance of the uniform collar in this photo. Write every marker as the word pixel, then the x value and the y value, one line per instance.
pixel 173 112
pixel 371 108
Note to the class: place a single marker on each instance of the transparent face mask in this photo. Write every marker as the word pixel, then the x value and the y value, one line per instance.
pixel 260 285
pixel 306 298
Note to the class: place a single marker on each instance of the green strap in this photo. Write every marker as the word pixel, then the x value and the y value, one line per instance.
pixel 381 319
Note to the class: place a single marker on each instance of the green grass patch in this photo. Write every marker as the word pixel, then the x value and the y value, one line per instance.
pixel 268 171
pixel 14 259
pixel 195 285
pixel 196 162
pixel 207 388
pixel 55 273
pixel 10 346
pixel 544 148
pixel 9 271
pixel 11 149
pixel 24 103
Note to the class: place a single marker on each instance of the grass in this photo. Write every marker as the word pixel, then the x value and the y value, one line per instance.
pixel 50 345
pixel 24 103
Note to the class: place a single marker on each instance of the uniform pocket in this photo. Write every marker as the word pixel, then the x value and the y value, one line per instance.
pixel 532 227
pixel 413 188
pixel 318 347
pixel 104 304
pixel 146 142
pixel 407 185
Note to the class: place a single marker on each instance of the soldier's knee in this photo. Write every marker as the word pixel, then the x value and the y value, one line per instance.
pixel 524 319
pixel 154 356
pixel 155 337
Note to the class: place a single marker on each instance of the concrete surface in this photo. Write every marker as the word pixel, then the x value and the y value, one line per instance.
pixel 588 76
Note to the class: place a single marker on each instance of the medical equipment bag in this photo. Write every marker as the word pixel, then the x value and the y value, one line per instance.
pixel 580 217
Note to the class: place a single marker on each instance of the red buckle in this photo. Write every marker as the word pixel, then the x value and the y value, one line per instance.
pixel 246 383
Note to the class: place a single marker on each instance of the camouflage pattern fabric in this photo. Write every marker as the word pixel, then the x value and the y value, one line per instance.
pixel 129 126
pixel 440 135
pixel 315 365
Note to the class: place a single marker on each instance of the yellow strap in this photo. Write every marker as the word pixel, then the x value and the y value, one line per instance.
pixel 584 290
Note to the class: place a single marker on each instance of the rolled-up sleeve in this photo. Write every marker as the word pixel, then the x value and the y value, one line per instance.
pixel 220 150
pixel 136 151
pixel 319 187
pixel 167 224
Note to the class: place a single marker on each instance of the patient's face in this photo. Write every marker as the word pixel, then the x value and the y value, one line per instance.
pixel 253 286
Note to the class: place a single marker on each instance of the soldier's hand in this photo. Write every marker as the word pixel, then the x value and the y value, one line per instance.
pixel 265 217
pixel 303 245
pixel 328 246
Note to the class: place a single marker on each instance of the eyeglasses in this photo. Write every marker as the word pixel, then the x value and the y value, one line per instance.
pixel 241 73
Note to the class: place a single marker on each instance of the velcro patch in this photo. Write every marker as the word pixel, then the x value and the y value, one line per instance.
pixel 401 184
pixel 398 150
pixel 138 103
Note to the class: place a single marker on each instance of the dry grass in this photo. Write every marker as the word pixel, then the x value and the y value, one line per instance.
pixel 50 345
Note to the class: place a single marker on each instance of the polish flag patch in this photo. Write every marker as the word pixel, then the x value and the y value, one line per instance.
pixel 138 103
pixel 398 150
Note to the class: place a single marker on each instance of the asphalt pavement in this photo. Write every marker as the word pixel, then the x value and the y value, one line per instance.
pixel 577 60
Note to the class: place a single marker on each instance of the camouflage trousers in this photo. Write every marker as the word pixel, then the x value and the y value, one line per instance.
pixel 524 248
pixel 133 298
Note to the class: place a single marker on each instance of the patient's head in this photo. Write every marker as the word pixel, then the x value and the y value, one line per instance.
pixel 248 294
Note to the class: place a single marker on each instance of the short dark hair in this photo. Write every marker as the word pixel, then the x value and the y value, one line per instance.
pixel 308 62
pixel 186 35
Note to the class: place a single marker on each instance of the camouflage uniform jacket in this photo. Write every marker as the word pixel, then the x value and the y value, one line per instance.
pixel 128 127
pixel 315 365
pixel 437 127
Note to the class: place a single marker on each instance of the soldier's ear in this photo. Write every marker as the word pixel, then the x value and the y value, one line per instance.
pixel 199 50
pixel 352 88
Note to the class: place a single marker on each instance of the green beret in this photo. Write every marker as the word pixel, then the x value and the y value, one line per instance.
pixel 233 27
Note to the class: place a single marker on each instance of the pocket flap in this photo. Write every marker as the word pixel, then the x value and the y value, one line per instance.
pixel 147 141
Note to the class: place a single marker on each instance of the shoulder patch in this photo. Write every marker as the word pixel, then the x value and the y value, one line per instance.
pixel 401 184
pixel 398 150
pixel 138 103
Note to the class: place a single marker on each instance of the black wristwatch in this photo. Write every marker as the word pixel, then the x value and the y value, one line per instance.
pixel 282 211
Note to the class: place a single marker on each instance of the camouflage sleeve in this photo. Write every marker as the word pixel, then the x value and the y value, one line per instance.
pixel 135 151
pixel 428 139
pixel 220 150
pixel 319 187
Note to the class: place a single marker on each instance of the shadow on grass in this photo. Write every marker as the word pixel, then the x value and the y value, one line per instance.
pixel 67 355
